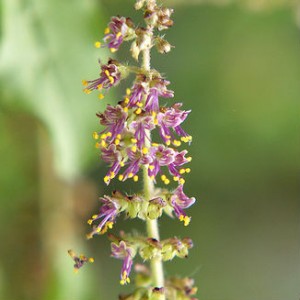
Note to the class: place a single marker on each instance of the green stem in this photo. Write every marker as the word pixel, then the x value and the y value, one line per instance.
pixel 152 225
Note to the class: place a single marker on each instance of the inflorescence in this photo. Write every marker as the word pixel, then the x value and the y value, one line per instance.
pixel 126 144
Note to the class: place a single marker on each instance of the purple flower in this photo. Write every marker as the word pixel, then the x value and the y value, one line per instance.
pixel 158 88
pixel 114 117
pixel 138 91
pixel 171 118
pixel 179 202
pixel 114 157
pixel 108 213
pixel 80 260
pixel 136 158
pixel 141 128
pixel 179 160
pixel 161 156
pixel 109 76
pixel 122 251
pixel 118 29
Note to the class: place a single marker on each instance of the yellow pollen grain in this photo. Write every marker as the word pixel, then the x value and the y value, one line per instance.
pixel 118 136
pixel 186 221
pixel 128 91
pixel 139 104
pixel 91 260
pixel 121 177
pixel 122 164
pixel 181 181
pixel 97 44
pixel 94 217
pixel 182 171
pixel 151 167
pixel 125 109
pixel 106 179
pixel 187 170
pixel 98 229
pixel 113 50
pixel 95 135
pixel 134 141
pixel 103 143
pixel 100 96
pixel 176 143
pixel 175 178
pixel 145 150
pixel 103 136
pixel 135 178
pixel 130 175
pixel 112 174
pixel 110 225
pixel 168 142
pixel 138 111
pixel 167 181
pixel 126 100
pixel 133 148
pixel 84 82
pixel 90 221
pixel 163 177
pixel 117 142
pixel 87 91
pixel 109 134
pixel 106 30
pixel 181 217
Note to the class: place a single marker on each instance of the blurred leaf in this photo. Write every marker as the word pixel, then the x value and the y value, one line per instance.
pixel 46 50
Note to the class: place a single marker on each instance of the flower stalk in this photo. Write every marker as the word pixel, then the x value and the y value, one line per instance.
pixel 128 146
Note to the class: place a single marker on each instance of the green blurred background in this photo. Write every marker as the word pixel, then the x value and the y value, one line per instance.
pixel 236 64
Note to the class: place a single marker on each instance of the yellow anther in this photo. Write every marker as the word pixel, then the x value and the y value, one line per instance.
pixel 181 217
pixel 176 143
pixel 125 109
pixel 151 167
pixel 154 114
pixel 110 225
pixel 97 145
pixel 122 164
pixel 126 100
pixel 91 260
pixel 181 181
pixel 182 171
pixel 112 175
pixel 94 217
pixel 152 177
pixel 109 134
pixel 163 177
pixel 99 86
pixel 111 79
pixel 128 91
pixel 97 44
pixel 106 30
pixel 117 142
pixel 95 135
pixel 113 50
pixel 168 137
pixel 135 178
pixel 133 148
pixel 139 104
pixel 154 144
pixel 103 136
pixel 187 170
pixel 168 142
pixel 90 221
pixel 84 82
pixel 106 179
pixel 130 175
pixel 87 91
pixel 118 136
pixel 138 111
pixel 103 143
pixel 121 177
pixel 189 159
pixel 175 178
pixel 100 96
pixel 167 181
pixel 155 121
pixel 107 73
pixel 98 230
pixel 118 34
pixel 145 150
pixel 134 141
pixel 186 221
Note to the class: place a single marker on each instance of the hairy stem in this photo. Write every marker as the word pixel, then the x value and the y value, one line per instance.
pixel 152 225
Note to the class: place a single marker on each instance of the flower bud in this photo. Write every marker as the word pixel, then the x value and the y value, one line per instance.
pixel 158 293
pixel 151 249
pixel 155 208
